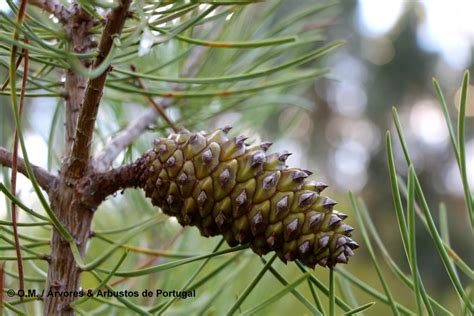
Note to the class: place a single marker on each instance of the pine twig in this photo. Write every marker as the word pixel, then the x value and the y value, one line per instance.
pixel 81 148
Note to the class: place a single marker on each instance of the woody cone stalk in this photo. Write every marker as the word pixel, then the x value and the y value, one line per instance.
pixel 227 187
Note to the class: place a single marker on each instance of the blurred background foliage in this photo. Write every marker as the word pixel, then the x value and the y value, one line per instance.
pixel 394 50
pixel 334 125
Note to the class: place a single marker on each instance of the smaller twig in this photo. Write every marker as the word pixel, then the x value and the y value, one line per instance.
pixel 320 25
pixel 14 174
pixel 44 178
pixel 158 107
pixel 53 7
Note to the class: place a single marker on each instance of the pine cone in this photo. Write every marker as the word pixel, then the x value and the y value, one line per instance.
pixel 226 187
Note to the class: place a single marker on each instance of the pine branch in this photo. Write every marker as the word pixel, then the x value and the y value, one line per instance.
pixel 44 178
pixel 80 37
pixel 81 149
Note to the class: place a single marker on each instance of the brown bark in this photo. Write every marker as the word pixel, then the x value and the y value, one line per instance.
pixel 63 273
pixel 75 206
pixel 77 24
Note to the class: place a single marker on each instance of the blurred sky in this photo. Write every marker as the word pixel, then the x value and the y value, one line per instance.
pixel 444 33
pixel 445 27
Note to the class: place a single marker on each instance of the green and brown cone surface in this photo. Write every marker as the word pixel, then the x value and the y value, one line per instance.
pixel 226 187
